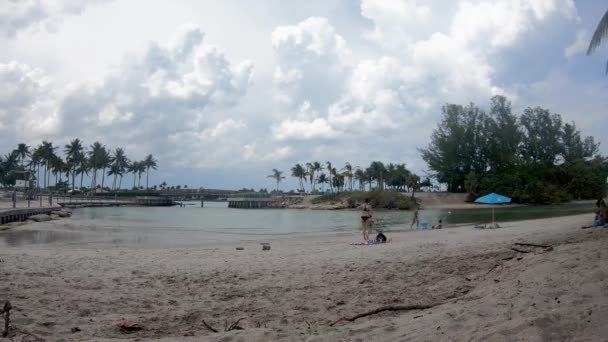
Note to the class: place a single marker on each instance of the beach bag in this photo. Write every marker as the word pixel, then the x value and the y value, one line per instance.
pixel 381 237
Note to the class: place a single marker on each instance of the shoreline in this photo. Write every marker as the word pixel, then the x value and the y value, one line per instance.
pixel 294 291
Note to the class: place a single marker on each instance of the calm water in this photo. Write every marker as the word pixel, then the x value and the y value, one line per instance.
pixel 192 225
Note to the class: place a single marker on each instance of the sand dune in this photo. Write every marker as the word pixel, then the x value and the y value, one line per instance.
pixel 487 291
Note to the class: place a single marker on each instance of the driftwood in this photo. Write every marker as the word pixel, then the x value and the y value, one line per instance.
pixel 385 308
pixel 210 328
pixel 25 332
pixel 492 269
pixel 233 326
pixel 6 311
pixel 532 245
pixel 546 247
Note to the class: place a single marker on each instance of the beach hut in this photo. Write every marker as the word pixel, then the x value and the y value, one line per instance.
pixel 493 199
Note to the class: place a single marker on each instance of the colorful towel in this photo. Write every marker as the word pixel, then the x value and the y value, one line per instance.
pixel 368 243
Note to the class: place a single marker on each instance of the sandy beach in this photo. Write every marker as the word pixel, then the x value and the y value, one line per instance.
pixel 480 289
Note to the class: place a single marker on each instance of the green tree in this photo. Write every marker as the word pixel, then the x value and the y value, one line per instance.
pixel 347 172
pixel 96 155
pixel 542 132
pixel 23 151
pixel 74 153
pixel 277 176
pixel 298 171
pixel 323 180
pixel 149 163
pixel 120 164
pixel 47 154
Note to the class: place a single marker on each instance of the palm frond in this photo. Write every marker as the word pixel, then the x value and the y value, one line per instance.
pixel 601 32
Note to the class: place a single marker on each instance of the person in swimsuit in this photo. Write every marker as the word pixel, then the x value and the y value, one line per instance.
pixel 366 217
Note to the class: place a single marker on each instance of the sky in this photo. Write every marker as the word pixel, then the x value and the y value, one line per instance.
pixel 223 92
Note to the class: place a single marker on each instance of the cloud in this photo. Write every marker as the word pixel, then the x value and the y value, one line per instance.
pixel 172 96
pixel 498 24
pixel 304 130
pixel 21 15
pixel 251 153
pixel 396 22
pixel 27 104
pixel 311 65
pixel 579 45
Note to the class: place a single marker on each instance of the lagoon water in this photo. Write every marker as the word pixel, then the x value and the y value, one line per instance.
pixel 193 225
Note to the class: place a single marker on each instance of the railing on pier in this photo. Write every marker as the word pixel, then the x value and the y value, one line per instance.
pixel 249 203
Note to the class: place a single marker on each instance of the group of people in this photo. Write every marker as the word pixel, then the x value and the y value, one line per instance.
pixel 367 220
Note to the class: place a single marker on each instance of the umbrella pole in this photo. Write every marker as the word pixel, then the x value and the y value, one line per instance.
pixel 493 221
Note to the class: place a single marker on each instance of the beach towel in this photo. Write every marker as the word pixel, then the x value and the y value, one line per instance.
pixel 369 243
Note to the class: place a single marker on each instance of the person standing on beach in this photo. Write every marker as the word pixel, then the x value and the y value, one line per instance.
pixel 415 220
pixel 366 217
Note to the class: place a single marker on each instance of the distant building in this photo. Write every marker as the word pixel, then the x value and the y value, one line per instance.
pixel 23 180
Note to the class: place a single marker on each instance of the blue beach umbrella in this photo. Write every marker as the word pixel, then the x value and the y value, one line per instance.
pixel 493 198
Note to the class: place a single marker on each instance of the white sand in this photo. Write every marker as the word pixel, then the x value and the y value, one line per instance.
pixel 292 292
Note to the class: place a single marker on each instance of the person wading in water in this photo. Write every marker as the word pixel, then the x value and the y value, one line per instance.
pixel 415 220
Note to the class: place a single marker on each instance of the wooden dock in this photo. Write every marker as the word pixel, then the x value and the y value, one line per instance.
pixel 152 201
pixel 249 203
pixel 22 214
pixel 146 201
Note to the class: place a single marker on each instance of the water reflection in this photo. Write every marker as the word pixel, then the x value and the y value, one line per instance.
pixel 21 237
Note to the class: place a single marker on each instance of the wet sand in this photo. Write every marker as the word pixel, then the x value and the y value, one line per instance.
pixel 482 289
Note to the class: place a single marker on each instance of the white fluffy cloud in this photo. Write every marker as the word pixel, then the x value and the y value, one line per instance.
pixel 20 15
pixel 397 22
pixel 174 95
pixel 312 61
pixel 417 70
pixel 27 103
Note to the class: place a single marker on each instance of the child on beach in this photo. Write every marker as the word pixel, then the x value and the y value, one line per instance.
pixel 439 225
pixel 366 218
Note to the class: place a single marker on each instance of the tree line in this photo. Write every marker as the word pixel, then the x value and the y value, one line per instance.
pixel 77 161
pixel 535 157
pixel 349 178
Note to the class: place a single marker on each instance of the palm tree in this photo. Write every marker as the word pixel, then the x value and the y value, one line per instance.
pixel 95 158
pixel 114 171
pixel 348 173
pixel 377 171
pixel 313 170
pixel 322 180
pixel 132 168
pixel 23 151
pixel 120 164
pixel 360 177
pixel 58 167
pixel 141 168
pixel 278 176
pixel 73 156
pixel 299 172
pixel 47 154
pixel 149 163
pixel 83 168
pixel 601 33
pixel 105 161
pixel 329 168
pixel 35 161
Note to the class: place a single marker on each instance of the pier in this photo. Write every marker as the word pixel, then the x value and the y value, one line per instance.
pixel 249 203
pixel 22 214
